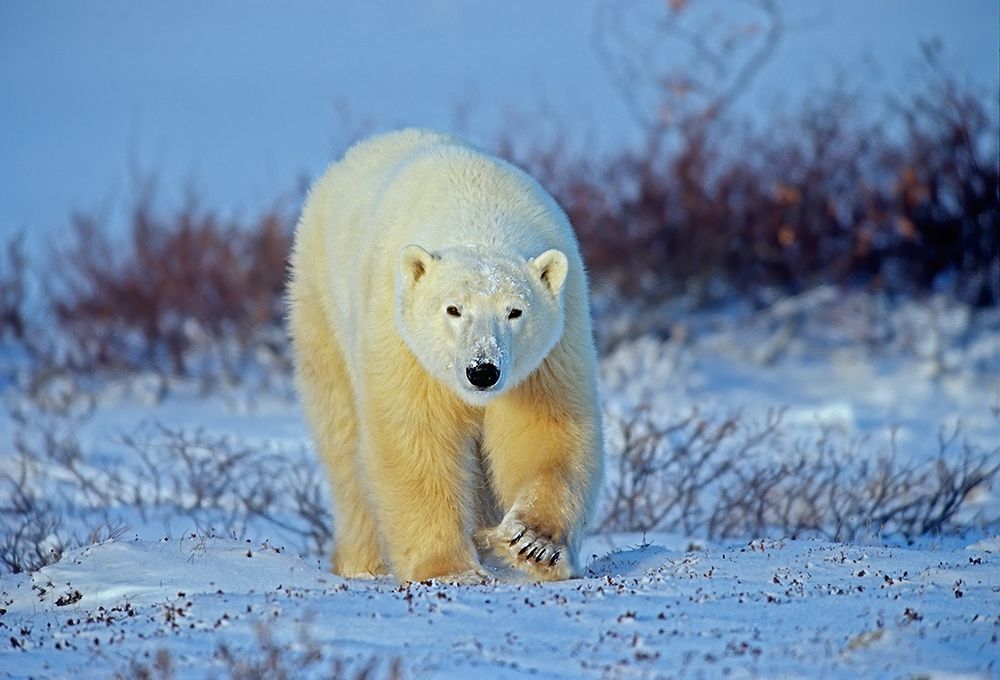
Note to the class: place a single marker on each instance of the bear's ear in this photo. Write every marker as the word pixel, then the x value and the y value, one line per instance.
pixel 551 267
pixel 414 262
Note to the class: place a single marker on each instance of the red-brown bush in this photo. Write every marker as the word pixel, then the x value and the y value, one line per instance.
pixel 169 286
pixel 13 290
pixel 907 203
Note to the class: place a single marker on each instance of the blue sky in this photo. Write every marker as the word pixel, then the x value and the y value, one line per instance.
pixel 239 100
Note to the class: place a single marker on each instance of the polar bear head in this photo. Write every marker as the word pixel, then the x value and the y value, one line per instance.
pixel 479 321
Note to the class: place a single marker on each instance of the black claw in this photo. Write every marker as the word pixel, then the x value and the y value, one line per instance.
pixel 555 558
pixel 538 557
pixel 518 537
pixel 522 551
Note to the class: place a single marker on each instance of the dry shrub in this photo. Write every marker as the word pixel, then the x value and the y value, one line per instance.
pixel 13 288
pixel 33 530
pixel 30 528
pixel 821 198
pixel 904 198
pixel 160 668
pixel 168 288
pixel 56 495
pixel 228 485
pixel 272 659
pixel 724 478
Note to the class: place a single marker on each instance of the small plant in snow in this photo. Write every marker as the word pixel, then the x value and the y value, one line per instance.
pixel 725 478
pixel 57 495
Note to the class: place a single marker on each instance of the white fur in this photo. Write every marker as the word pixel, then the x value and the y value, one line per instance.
pixel 484 287
pixel 405 226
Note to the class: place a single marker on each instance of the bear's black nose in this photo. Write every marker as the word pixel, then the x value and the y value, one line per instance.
pixel 483 375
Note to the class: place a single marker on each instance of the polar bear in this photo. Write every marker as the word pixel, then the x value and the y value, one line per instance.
pixel 439 317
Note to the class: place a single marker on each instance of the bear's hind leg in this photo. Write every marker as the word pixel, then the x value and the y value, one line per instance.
pixel 329 405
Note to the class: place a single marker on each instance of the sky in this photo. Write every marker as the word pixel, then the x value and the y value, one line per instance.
pixel 242 101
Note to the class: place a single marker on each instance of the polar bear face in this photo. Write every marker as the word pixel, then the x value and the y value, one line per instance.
pixel 478 321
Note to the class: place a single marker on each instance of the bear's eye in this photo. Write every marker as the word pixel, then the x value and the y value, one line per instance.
pixel 453 311
pixel 514 313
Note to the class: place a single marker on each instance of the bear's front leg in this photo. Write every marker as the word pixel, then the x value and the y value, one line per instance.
pixel 417 467
pixel 544 450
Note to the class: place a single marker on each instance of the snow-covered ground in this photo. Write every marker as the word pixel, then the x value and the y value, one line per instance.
pixel 169 475
pixel 655 609
pixel 859 363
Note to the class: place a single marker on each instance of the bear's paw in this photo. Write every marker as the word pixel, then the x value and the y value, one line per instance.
pixel 526 549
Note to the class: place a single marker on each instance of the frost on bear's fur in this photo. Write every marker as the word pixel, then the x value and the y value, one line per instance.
pixel 440 323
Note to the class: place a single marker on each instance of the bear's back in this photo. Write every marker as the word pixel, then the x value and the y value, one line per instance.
pixel 332 228
pixel 381 153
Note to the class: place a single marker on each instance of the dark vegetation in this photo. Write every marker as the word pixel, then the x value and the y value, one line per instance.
pixel 171 285
pixel 271 658
pixel 727 478
pixel 13 301
pixel 899 195
pixel 223 484
pixel 823 198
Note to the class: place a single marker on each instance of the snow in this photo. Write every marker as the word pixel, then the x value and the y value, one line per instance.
pixel 172 577
pixel 487 350
pixel 862 364
pixel 772 609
